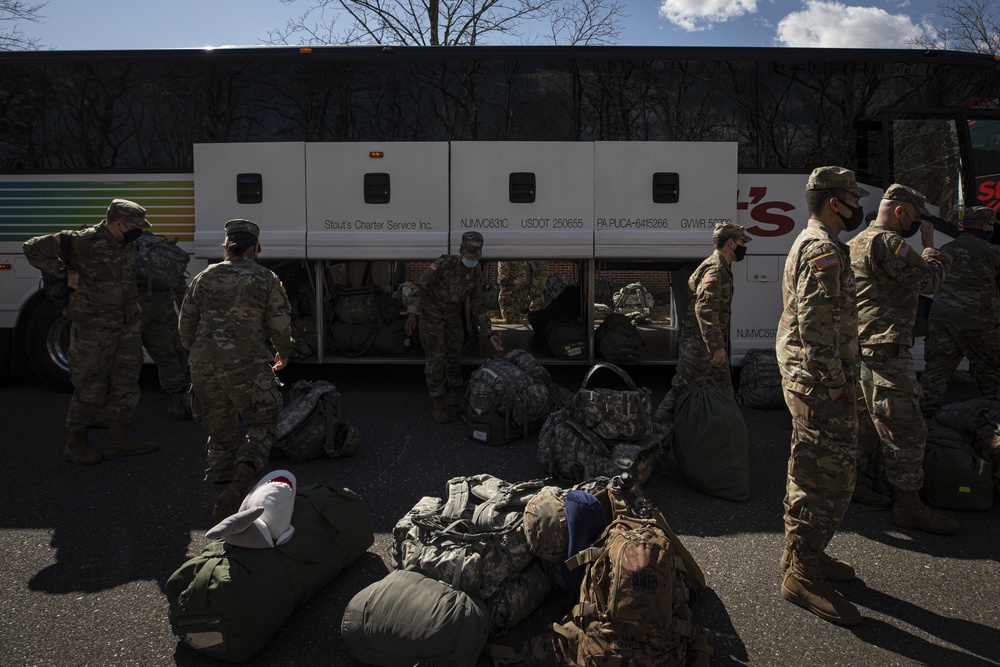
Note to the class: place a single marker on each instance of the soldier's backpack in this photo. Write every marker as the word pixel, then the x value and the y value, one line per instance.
pixel 369 304
pixel 509 397
pixel 567 339
pixel 633 299
pixel 408 619
pixel 229 601
pixel 57 289
pixel 618 340
pixel 474 541
pixel 310 426
pixel 161 263
pixel 760 381
pixel 955 478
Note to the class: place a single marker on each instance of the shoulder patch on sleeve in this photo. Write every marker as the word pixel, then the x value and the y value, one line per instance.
pixel 826 261
pixel 711 278
pixel 904 249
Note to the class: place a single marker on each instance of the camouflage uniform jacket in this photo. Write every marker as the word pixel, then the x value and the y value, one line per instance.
pixel 107 272
pixel 890 277
pixel 970 295
pixel 817 340
pixel 446 284
pixel 230 309
pixel 710 307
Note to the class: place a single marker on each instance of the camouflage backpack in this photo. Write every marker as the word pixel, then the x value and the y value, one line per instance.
pixel 760 380
pixel 161 263
pixel 474 541
pixel 633 299
pixel 310 426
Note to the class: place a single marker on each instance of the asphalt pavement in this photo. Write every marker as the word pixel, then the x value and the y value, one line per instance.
pixel 87 550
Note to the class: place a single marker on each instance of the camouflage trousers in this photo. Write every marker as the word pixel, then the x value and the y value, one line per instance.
pixel 519 292
pixel 162 341
pixel 893 399
pixel 871 464
pixel 105 358
pixel 442 337
pixel 694 363
pixel 221 394
pixel 822 466
pixel 944 347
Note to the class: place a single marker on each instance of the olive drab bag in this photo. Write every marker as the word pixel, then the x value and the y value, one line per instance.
pixel 161 263
pixel 369 304
pixel 474 541
pixel 567 339
pixel 229 601
pixel 955 478
pixel 408 619
pixel 310 425
pixel 618 340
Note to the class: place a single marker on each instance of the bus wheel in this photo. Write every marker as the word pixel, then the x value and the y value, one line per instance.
pixel 47 345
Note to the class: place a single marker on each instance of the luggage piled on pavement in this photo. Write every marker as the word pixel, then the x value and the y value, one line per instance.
pixel 955 477
pixel 977 420
pixel 229 601
pixel 310 426
pixel 760 381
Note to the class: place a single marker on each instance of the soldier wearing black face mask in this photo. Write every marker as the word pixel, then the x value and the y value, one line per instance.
pixel 105 347
pixel 965 317
pixel 890 276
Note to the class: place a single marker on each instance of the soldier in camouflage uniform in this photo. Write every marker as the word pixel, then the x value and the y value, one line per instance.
pixel 702 346
pixel 516 287
pixel 817 346
pixel 441 292
pixel 890 277
pixel 965 317
pixel 105 353
pixel 229 311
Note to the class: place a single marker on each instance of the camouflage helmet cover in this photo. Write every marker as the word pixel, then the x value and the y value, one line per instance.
pixel 545 524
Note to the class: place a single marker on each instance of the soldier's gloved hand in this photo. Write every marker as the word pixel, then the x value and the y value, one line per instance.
pixel 718 357
pixel 411 322
pixel 497 343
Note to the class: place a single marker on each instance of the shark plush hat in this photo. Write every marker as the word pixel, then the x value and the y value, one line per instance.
pixel 264 519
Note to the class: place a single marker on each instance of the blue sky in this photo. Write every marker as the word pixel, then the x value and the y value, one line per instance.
pixel 130 24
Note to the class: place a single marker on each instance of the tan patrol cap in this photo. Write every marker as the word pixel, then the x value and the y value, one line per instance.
pixel 829 178
pixel 977 216
pixel 129 211
pixel 238 225
pixel 897 192
pixel 729 230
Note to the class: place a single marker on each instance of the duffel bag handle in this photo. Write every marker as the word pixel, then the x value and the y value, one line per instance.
pixel 621 373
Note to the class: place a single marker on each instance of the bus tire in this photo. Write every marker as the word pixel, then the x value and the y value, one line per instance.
pixel 46 345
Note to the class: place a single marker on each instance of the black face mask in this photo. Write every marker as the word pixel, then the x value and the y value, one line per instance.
pixel 741 252
pixel 857 216
pixel 131 235
pixel 914 228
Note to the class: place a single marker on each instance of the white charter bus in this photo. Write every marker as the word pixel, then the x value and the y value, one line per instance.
pixel 606 161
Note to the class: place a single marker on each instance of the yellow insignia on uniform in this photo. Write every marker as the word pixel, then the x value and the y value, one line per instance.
pixel 826 261
pixel 904 249
pixel 711 278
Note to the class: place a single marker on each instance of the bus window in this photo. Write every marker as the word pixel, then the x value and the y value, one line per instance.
pixel 985 135
pixel 926 157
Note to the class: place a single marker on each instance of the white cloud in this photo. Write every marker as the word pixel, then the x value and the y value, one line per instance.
pixel 829 24
pixel 694 15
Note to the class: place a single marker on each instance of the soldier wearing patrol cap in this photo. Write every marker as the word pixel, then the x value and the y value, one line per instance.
pixel 890 276
pixel 965 317
pixel 817 350
pixel 440 295
pixel 702 343
pixel 229 311
pixel 105 352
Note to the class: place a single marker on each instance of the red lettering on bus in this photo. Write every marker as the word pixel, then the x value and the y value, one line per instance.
pixel 781 224
pixel 989 190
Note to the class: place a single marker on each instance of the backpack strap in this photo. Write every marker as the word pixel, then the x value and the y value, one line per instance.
pixel 458 498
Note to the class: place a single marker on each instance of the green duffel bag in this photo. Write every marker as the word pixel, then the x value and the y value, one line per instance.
pixel 710 442
pixel 566 339
pixel 955 478
pixel 229 601
pixel 410 620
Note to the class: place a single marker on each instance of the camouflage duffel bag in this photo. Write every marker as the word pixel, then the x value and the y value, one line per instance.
pixel 613 414
pixel 474 541
pixel 310 426
pixel 571 451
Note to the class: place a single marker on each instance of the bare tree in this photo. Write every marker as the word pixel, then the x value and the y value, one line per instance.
pixel 969 25
pixel 11 13
pixel 449 22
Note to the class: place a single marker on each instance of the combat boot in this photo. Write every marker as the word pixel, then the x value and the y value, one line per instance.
pixel 832 569
pixel 456 397
pixel 805 586
pixel 440 414
pixel 120 443
pixel 911 512
pixel 230 498
pixel 178 406
pixel 865 495
pixel 77 451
